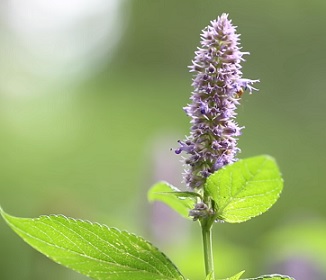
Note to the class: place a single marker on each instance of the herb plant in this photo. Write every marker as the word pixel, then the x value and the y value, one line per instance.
pixel 221 188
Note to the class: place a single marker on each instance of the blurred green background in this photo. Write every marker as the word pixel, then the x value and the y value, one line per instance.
pixel 91 97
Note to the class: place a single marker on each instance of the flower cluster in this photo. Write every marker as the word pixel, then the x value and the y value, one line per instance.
pixel 218 86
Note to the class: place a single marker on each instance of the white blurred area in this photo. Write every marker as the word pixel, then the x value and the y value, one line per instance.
pixel 46 45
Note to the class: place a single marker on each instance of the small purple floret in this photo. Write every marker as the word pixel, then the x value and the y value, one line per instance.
pixel 218 86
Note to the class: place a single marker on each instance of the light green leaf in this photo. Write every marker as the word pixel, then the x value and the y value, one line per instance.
pixel 235 277
pixel 245 189
pixel 184 194
pixel 181 202
pixel 94 250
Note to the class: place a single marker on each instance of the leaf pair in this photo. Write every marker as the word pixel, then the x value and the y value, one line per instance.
pixel 240 191
pixel 100 252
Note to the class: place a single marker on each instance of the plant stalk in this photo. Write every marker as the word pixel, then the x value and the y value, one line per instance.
pixel 208 248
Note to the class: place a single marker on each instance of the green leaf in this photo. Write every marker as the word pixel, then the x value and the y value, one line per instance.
pixel 94 250
pixel 245 189
pixel 272 277
pixel 184 194
pixel 264 277
pixel 235 277
pixel 181 202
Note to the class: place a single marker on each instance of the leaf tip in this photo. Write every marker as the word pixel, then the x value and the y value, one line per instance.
pixel 236 276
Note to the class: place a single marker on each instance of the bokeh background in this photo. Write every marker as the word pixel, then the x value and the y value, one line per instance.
pixel 91 97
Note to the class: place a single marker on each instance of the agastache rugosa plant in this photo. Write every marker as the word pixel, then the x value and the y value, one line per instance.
pixel 220 188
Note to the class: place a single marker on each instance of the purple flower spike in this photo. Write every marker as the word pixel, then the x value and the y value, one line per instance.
pixel 218 87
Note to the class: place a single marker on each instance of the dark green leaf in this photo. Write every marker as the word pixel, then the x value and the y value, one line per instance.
pixel 181 202
pixel 94 250
pixel 245 189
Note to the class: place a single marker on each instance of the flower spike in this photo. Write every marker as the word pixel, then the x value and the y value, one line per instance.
pixel 218 86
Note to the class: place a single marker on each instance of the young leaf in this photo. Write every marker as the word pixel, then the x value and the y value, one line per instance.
pixel 235 277
pixel 94 250
pixel 245 189
pixel 181 202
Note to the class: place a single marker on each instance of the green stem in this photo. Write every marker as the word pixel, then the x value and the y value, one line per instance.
pixel 208 248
